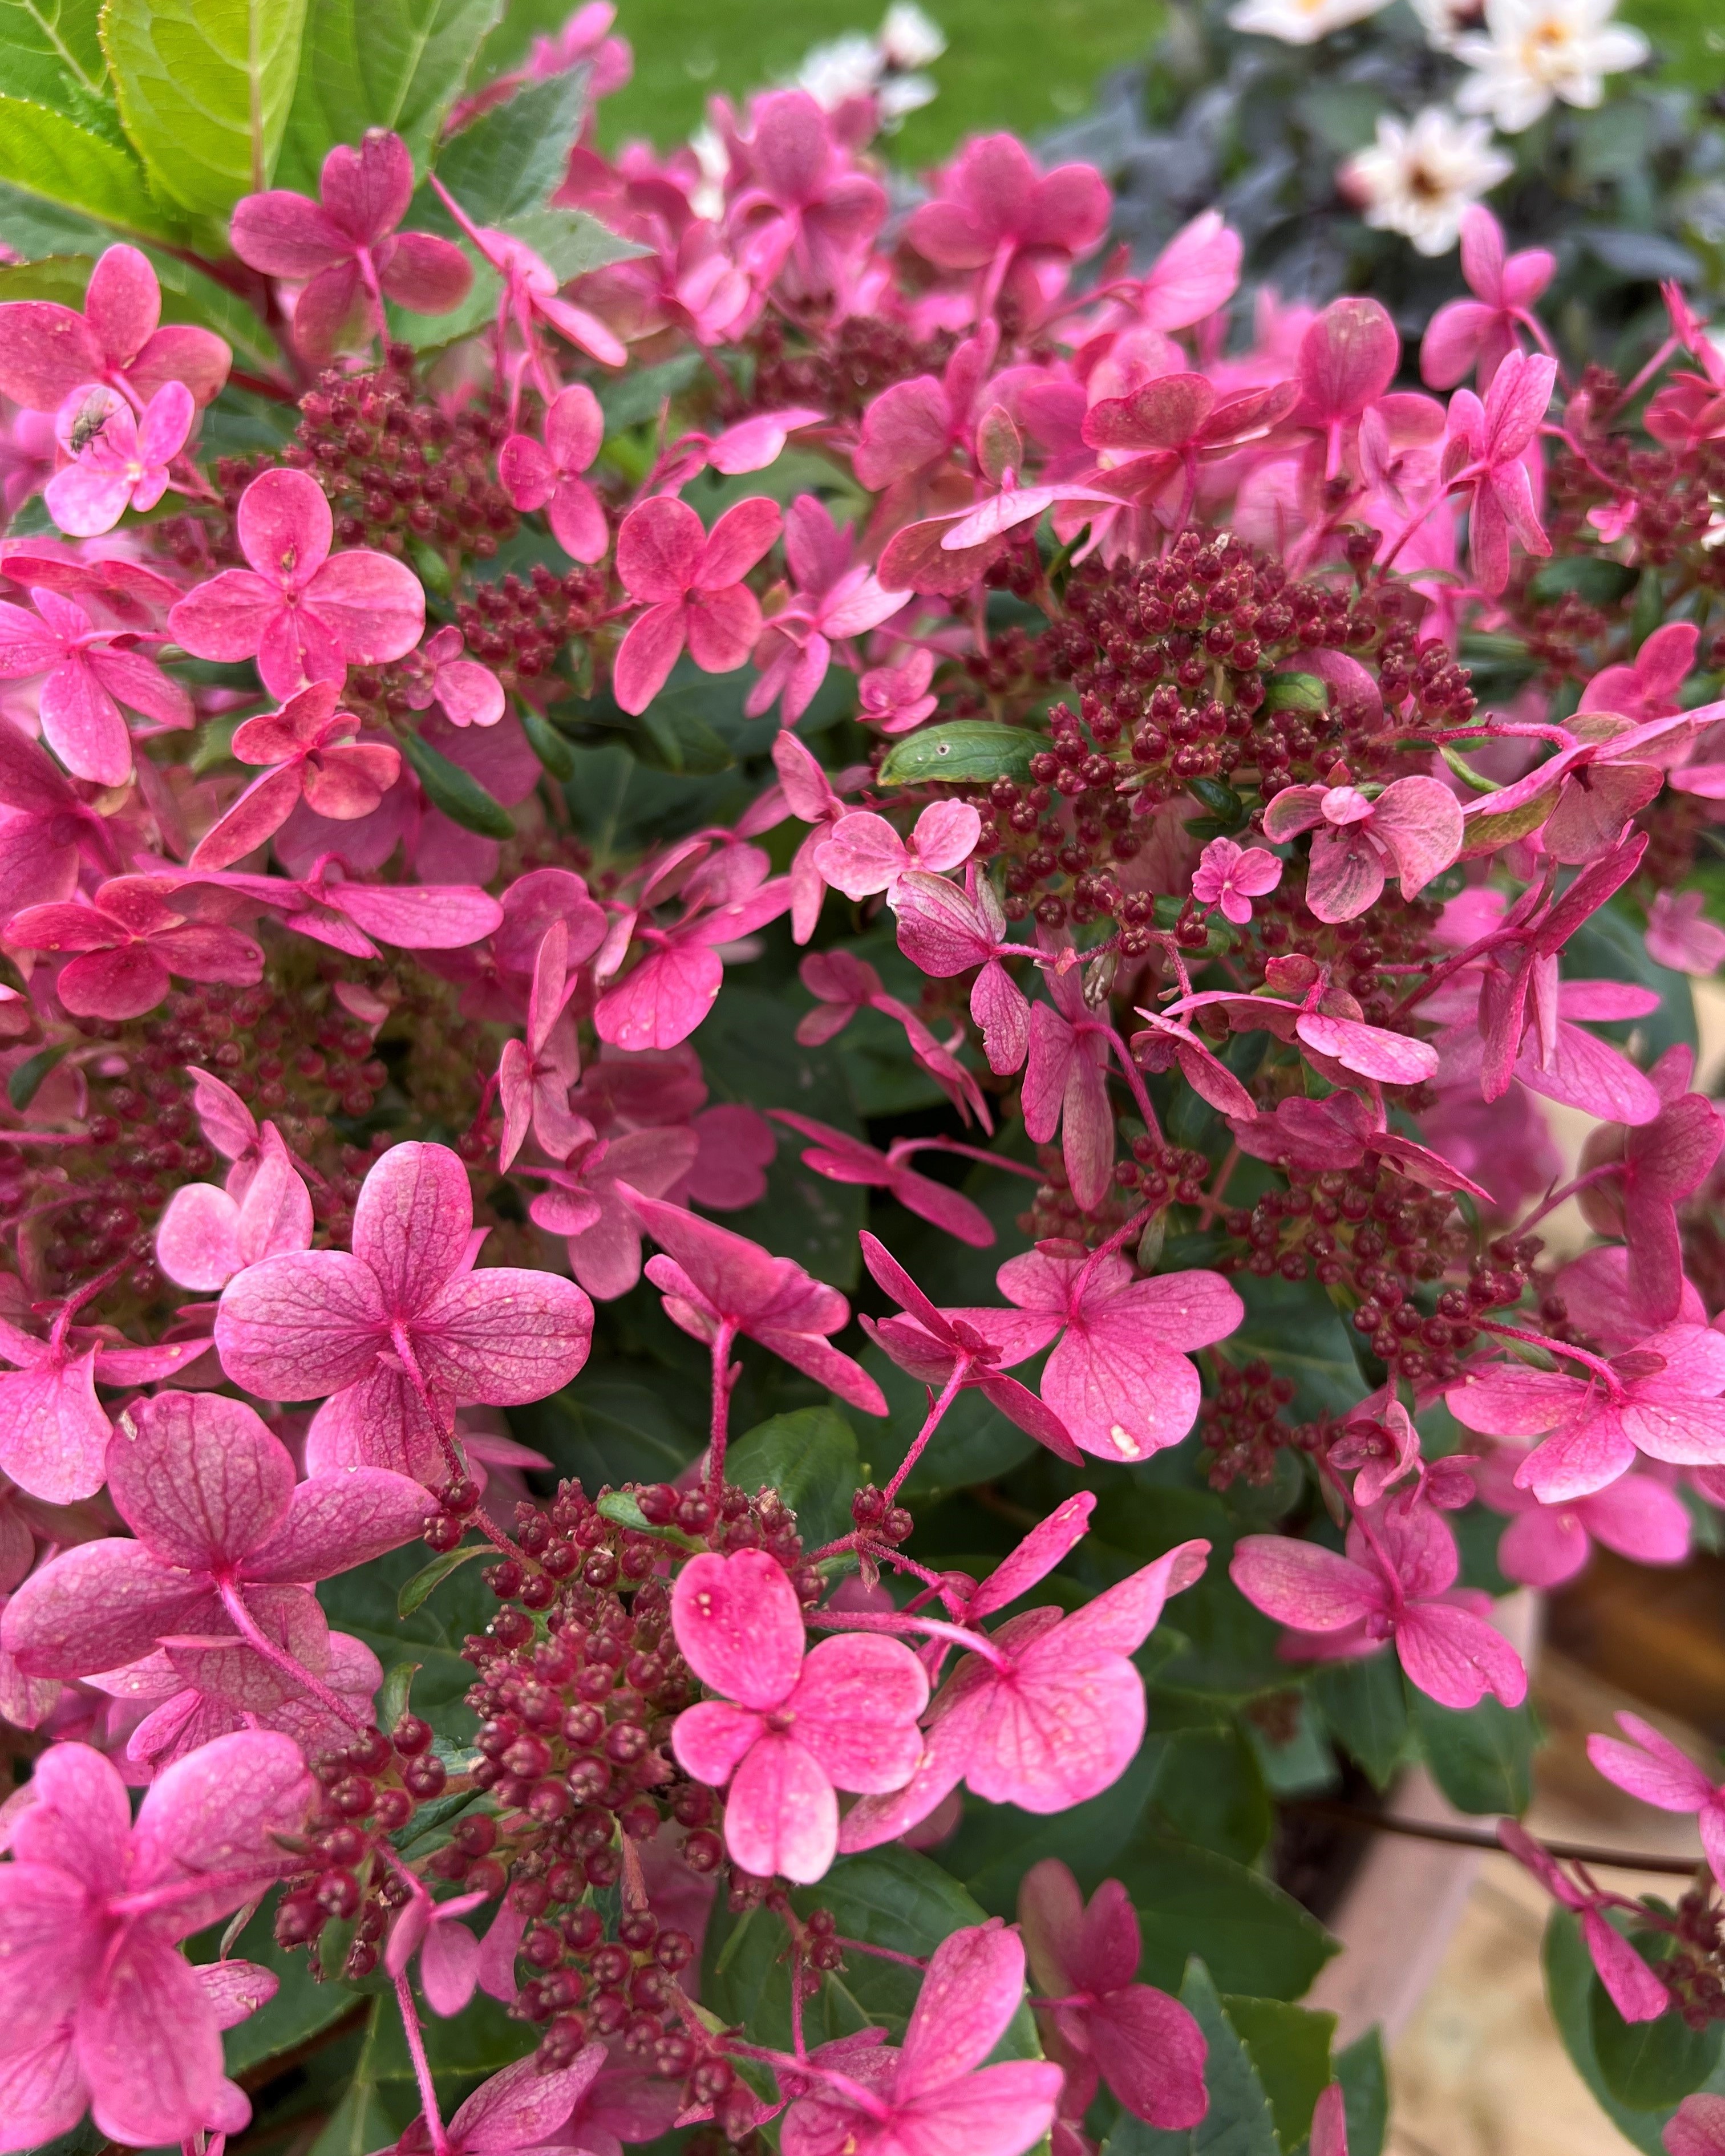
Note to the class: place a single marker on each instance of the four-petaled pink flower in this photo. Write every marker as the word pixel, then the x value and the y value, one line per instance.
pixel 804 214
pixel 842 1158
pixel 118 462
pixel 896 698
pixel 54 1436
pixel 92 672
pixel 466 693
pixel 345 248
pixel 1045 1713
pixel 584 1199
pixel 1488 444
pixel 534 1076
pixel 834 596
pixel 547 475
pixel 1020 230
pixel 791 1728
pixel 715 1283
pixel 1547 1545
pixel 1145 2045
pixel 863 854
pixel 1653 1769
pixel 936 2095
pixel 128 941
pixel 303 614
pixel 47 350
pixel 402 1330
pixel 313 757
pixel 205 1234
pixel 1232 876
pixel 1397 1582
pixel 692 582
pixel 1482 333
pixel 1634 1990
pixel 663 998
pixel 530 295
pixel 1413 829
pixel 1680 936
pixel 229 1545
pixel 944 930
pixel 98 2009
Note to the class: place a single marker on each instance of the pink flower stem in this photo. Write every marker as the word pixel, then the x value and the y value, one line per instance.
pixel 422 2066
pixel 936 1410
pixel 1581 1182
pixel 798 1969
pixel 1135 1081
pixel 1601 1369
pixel 897 1623
pixel 278 1657
pixel 1211 1204
pixel 882 1954
pixel 724 1377
pixel 903 1148
pixel 865 2099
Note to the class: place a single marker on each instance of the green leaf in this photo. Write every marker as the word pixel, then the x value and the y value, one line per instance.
pixel 394 63
pixel 1255 1938
pixel 364 1602
pixel 1296 692
pixel 366 2118
pixel 25 1082
pixel 45 154
pixel 455 793
pixel 609 1429
pixel 1364 2076
pixel 54 56
pixel 1210 1791
pixel 1650 2065
pixel 1240 2121
pixel 433 1575
pixel 479 2039
pixel 513 158
pixel 1365 1704
pixel 1481 1757
pixel 810 1457
pixel 204 87
pixel 966 752
pixel 1290 2051
pixel 395 1693
pixel 623 1506
pixel 548 745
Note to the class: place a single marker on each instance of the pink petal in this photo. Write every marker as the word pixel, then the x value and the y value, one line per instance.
pixel 974 1985
pixel 226 617
pixel 1374 1053
pixel 412 1223
pixel 1697 2128
pixel 1151 2053
pixel 856 1705
pixel 523 2106
pixel 430 276
pixel 285 527
pixel 1061 1731
pixel 374 607
pixel 1303 1585
pixel 742 535
pixel 660 548
pixel 661 1003
pixel 54 1436
pixel 199 1479
pixel 711 1739
pixel 43 2091
pixel 148 2041
pixel 1457 1658
pixel 723 625
pixel 781 1816
pixel 649 650
pixel 302 1325
pixel 334 1523
pixel 505 1336
pixel 285 235
pixel 1035 1556
pixel 97 1606
pixel 1636 1991
pixel 1652 1768
pixel 739 1626
pixel 81 724
pixel 449 1968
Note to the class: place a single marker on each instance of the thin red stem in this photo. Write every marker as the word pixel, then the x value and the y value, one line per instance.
pixel 422 2066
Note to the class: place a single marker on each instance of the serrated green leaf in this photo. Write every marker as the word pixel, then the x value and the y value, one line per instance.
pixel 810 1457
pixel 1481 1757
pixel 965 752
pixel 394 63
pixel 456 794
pixel 430 1577
pixel 204 88
pixel 53 55
pixel 45 154
pixel 1290 2051
pixel 569 241
pixel 511 159
pixel 1240 2121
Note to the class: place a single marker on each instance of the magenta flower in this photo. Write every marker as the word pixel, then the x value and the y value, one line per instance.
pixel 1145 2045
pixel 401 1331
pixel 92 672
pixel 714 1280
pixel 1487 445
pixel 833 598
pixel 1547 1545
pixel 1232 876
pixel 127 942
pixel 803 215
pixel 47 350
pixel 936 2095
pixel 54 1436
pixel 329 908
pixel 1697 2127
pixel 313 757
pixel 1412 829
pixel 47 832
pixel 1653 1769
pixel 863 854
pixel 1328 1023
pixel 1046 1712
pixel 1019 229
pixel 548 476
pixel 692 581
pixel 522 2112
pixel 842 1158
pixel 530 295
pixel 227 1542
pixel 345 248
pixel 944 930
pixel 1337 1132
pixel 1482 333
pixel 588 1199
pixel 448 1952
pixel 1119 1379
pixel 671 988
pixel 805 792
pixel 118 463
pixel 1680 936
pixel 896 698
pixel 534 1076
pixel 1661 1397
pixel 100 2009
pixel 1066 1085
pixel 1397 1582
pixel 1634 1990
pixel 303 613
pixel 466 693
pixel 1650 685
pixel 206 1235
pixel 793 1728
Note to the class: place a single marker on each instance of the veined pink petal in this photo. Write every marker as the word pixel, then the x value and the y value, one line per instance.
pixel 855 1707
pixel 300 1325
pixel 1457 1658
pixel 1303 1585
pixel 782 1816
pixel 974 1986
pixel 199 1479
pixel 739 1626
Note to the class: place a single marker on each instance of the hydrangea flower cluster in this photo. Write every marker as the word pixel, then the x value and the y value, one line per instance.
pixel 709 735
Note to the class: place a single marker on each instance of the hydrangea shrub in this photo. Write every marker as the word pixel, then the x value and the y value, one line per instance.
pixel 781 971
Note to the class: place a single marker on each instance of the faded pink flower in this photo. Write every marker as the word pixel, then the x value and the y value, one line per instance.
pixel 345 248
pixel 1546 1545
pixel 47 350
pixel 206 1235
pixel 692 582
pixel 863 854
pixel 100 2009
pixel 1397 1582
pixel 127 942
pixel 1650 685
pixel 944 930
pixel 935 2094
pixel 530 295
pixel 1378 1446
pixel 1485 454
pixel 48 833
pixel 1663 1162
pixel 402 1331
pixel 842 1158
pixel 547 476
pixel 1020 230
pixel 675 982
pixel 520 2111
pixel 1412 829
pixel 1680 936
pixel 534 1075
pixel 1066 1085
pixel 312 756
pixel 1653 1769
pixel 712 1280
pixel 1045 1713
pixel 54 1436
pixel 118 462
pixel 1145 2045
pixel 793 1728
pixel 833 598
pixel 466 693
pixel 304 614
pixel 803 215
pixel 897 698
pixel 1480 333
pixel 1232 876
pixel 1697 2127
pixel 448 1952
pixel 90 673
pixel 1633 1989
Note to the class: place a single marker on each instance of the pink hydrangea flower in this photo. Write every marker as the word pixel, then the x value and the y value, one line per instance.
pixel 842 1158
pixel 793 1728
pixel 944 930
pixel 530 295
pixel 692 583
pixel 118 462
pixel 304 613
pixel 523 2111
pixel 205 1235
pixel 54 1436
pixel 312 757
pixel 804 214
pixel 1487 447
pixel 401 1331
pixel 90 671
pixel 863 854
pixel 834 596
pixel 1697 2127
pixel 897 698
pixel 587 1200
pixel 1480 333
pixel 1546 1545
pixel 667 993
pixel 101 2012
pixel 1020 230
pixel 47 350
pixel 534 1074
pixel 1232 876
pixel 1664 1163
pixel 48 833
pixel 548 476
pixel 1653 1769
pixel 936 2094
pixel 1413 829
pixel 127 942
pixel 1145 2045
pixel 345 248
pixel 1680 936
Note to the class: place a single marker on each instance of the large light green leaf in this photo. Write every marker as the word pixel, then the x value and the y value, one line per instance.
pixel 394 63
pixel 512 158
pixel 48 155
pixel 204 88
pixel 50 53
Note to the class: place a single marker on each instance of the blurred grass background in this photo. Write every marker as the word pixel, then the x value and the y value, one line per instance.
pixel 1024 65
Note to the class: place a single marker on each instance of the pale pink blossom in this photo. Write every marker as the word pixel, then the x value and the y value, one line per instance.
pixel 206 1235
pixel 896 698
pixel 1486 455
pixel 1413 829
pixel 692 583
pixel 547 476
pixel 1634 1990
pixel 118 462
pixel 312 757
pixel 1232 876
pixel 1653 1769
pixel 1680 936
pixel 1480 333
pixel 90 672
pixel 862 854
